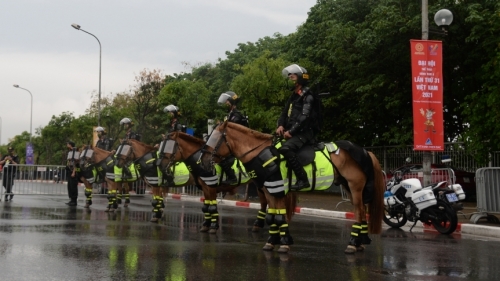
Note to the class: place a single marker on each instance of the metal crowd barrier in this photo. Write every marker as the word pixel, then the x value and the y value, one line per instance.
pixel 48 180
pixel 487 194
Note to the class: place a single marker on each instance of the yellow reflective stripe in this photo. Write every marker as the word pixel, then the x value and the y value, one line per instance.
pixel 109 162
pixel 213 202
pixel 364 231
pixel 150 160
pixel 269 161
pixel 281 211
pixel 273 232
pixel 206 202
pixel 354 234
pixel 272 211
pixel 284 225
pixel 356 226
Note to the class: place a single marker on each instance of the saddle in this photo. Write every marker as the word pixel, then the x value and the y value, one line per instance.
pixel 306 153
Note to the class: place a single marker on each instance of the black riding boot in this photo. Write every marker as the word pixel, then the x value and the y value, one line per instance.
pixel 300 173
pixel 230 175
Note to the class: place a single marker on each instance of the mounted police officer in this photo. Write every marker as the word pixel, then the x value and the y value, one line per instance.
pixel 174 126
pixel 129 134
pixel 103 142
pixel 230 99
pixel 296 123
pixel 128 125
pixel 173 112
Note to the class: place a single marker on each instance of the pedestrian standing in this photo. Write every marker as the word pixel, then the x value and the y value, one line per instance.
pixel 72 172
pixel 9 163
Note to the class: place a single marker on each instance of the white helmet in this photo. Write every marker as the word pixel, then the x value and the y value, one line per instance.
pixel 126 120
pixel 100 129
pixel 171 108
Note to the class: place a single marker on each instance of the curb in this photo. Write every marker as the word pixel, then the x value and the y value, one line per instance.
pixel 462 228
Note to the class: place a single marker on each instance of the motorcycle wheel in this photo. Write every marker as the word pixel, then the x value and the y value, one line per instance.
pixel 447 220
pixel 395 218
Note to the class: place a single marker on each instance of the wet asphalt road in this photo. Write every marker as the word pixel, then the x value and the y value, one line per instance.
pixel 43 239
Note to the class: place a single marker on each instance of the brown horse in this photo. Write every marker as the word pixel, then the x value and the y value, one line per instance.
pixel 187 149
pixel 97 167
pixel 260 158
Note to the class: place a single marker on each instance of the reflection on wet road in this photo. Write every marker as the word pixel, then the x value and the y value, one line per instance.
pixel 42 240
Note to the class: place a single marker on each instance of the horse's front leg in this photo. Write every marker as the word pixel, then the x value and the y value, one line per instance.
pixel 87 191
pixel 211 223
pixel 157 203
pixel 359 231
pixel 126 193
pixel 278 225
pixel 112 190
pixel 261 215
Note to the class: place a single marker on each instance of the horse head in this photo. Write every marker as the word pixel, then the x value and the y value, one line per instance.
pixel 177 147
pixel 233 139
pixel 124 154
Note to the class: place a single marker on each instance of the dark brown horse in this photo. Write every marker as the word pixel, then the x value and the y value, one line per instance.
pixel 181 147
pixel 256 151
pixel 97 167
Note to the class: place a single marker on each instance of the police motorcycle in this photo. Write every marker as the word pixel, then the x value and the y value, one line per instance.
pixel 437 204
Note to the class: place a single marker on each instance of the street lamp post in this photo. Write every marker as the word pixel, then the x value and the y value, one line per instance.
pixel 31 117
pixel 442 18
pixel 77 27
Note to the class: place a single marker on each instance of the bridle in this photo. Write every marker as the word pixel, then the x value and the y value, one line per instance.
pixel 170 146
pixel 223 139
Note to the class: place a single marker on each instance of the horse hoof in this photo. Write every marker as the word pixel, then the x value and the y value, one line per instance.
pixel 360 248
pixel 256 228
pixel 284 249
pixel 268 247
pixel 212 231
pixel 154 220
pixel 86 206
pixel 107 210
pixel 204 229
pixel 125 205
pixel 350 249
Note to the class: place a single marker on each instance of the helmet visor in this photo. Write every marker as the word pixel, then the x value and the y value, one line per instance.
pixel 223 98
pixel 292 69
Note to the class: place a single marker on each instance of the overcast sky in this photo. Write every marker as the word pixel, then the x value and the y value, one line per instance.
pixel 59 65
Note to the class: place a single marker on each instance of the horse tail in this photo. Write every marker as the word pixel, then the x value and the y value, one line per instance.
pixel 290 203
pixel 376 207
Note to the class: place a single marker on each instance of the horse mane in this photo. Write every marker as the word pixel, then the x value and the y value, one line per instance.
pixel 190 138
pixel 247 130
pixel 147 146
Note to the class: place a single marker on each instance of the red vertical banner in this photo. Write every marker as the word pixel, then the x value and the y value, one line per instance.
pixel 427 93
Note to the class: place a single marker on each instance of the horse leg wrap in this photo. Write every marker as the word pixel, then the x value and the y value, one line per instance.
pixel 157 203
pixel 119 197
pixel 260 221
pixel 365 240
pixel 127 198
pixel 355 235
pixel 111 198
pixel 274 235
pixel 88 194
pixel 208 216
pixel 212 209
pixel 280 221
pixel 286 238
pixel 270 216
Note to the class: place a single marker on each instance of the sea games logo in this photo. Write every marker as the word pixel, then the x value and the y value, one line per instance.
pixel 419 49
